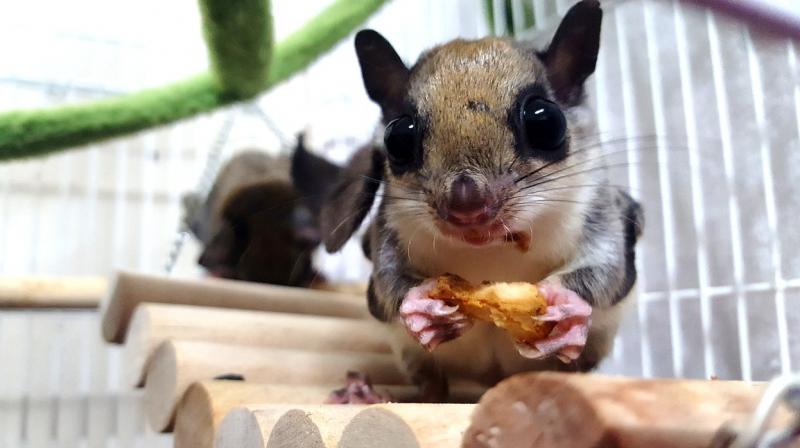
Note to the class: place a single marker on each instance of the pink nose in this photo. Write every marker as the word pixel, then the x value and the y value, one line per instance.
pixel 467 204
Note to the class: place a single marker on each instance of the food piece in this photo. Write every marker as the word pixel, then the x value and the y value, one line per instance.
pixel 511 306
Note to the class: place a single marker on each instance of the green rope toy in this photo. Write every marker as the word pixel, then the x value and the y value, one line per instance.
pixel 244 63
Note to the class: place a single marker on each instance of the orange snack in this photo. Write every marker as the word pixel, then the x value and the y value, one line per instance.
pixel 510 306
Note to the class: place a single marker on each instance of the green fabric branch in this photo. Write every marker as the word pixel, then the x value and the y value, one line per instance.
pixel 233 76
pixel 527 21
pixel 238 34
pixel 31 133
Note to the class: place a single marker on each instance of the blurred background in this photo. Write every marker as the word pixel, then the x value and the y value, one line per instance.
pixel 719 293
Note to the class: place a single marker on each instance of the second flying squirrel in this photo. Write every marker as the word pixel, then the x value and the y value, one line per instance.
pixel 487 174
pixel 259 222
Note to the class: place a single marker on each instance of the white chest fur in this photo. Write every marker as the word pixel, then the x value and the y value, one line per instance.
pixel 432 254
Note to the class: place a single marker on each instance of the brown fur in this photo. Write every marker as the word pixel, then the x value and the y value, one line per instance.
pixel 259 222
pixel 489 71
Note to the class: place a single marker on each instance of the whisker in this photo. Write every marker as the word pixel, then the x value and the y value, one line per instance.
pixel 520 193
pixel 343 221
pixel 410 239
pixel 547 179
pixel 600 156
pixel 400 198
pixel 397 183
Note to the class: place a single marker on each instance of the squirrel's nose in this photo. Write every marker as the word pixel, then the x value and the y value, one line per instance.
pixel 467 204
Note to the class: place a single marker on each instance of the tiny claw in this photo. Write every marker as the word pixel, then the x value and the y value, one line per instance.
pixel 442 309
pixel 528 351
pixel 426 336
pixel 559 312
pixel 431 321
pixel 564 358
pixel 567 334
pixel 568 338
pixel 417 323
pixel 427 306
pixel 570 353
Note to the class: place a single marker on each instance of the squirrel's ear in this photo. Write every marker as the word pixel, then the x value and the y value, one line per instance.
pixel 384 73
pixel 312 176
pixel 351 197
pixel 572 55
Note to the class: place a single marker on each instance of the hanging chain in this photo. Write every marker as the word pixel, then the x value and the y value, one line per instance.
pixel 256 109
pixel 204 185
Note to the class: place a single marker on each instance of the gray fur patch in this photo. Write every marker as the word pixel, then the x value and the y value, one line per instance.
pixel 605 271
pixel 392 276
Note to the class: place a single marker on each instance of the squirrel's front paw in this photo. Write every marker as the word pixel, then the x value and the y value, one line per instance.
pixel 572 317
pixel 431 321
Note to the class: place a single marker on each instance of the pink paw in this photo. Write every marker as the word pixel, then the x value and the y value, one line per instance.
pixel 572 316
pixel 431 321
pixel 358 390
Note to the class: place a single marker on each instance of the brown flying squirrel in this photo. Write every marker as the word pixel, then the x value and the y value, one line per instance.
pixel 488 172
pixel 259 222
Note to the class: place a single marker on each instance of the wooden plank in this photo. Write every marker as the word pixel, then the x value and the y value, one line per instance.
pixel 285 426
pixel 245 427
pixel 177 364
pixel 153 324
pixel 206 403
pixel 392 425
pixel 52 292
pixel 406 425
pixel 129 290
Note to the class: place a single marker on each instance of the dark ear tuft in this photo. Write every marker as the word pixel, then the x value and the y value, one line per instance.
pixel 312 176
pixel 351 197
pixel 384 73
pixel 572 55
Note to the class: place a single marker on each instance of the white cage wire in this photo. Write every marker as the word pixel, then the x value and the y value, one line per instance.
pixel 702 112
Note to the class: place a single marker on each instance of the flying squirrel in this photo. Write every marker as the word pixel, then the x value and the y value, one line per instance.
pixel 485 173
pixel 260 221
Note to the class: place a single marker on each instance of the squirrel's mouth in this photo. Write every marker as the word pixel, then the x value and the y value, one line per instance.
pixel 492 233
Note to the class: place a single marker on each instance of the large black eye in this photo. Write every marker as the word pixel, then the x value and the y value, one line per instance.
pixel 401 140
pixel 543 123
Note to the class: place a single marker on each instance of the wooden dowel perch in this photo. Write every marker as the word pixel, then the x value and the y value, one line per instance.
pixel 281 427
pixel 351 426
pixel 129 290
pixel 153 324
pixel 51 292
pixel 407 425
pixel 560 410
pixel 205 404
pixel 177 364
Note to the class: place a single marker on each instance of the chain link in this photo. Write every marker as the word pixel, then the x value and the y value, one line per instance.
pixel 204 185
